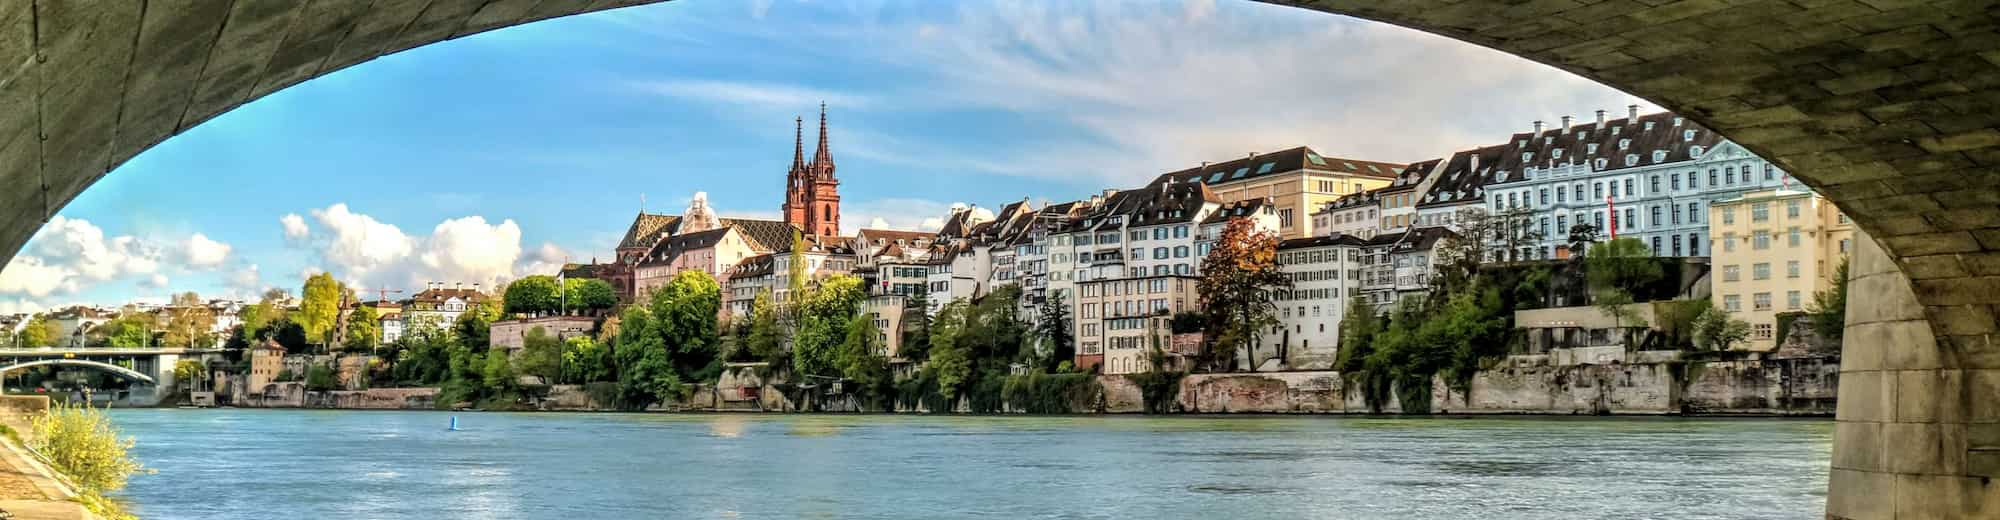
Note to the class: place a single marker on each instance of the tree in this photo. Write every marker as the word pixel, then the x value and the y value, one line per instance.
pixel 585 360
pixel 589 293
pixel 765 340
pixel 319 308
pixel 860 357
pixel 1716 329
pixel 364 330
pixel 1829 307
pixel 916 327
pixel 131 329
pixel 1581 236
pixel 1238 279
pixel 949 359
pixel 823 311
pixel 188 373
pixel 475 326
pixel 541 356
pixel 1358 327
pixel 497 374
pixel 536 294
pixel 188 322
pixel 1054 327
pixel 320 378
pixel 1614 270
pixel 40 332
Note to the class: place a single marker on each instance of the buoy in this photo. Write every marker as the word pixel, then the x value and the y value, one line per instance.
pixel 454 424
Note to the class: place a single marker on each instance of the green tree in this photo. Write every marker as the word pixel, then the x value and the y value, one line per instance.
pixel 188 373
pixel 475 326
pixel 40 332
pixel 589 293
pixel 683 314
pixel 320 378
pixel 916 327
pixel 1239 277
pixel 1716 329
pixel 188 323
pixel 1054 327
pixel 319 307
pixel 823 313
pixel 765 340
pixel 131 329
pixel 1829 307
pixel 585 360
pixel 498 373
pixel 1614 271
pixel 364 330
pixel 861 358
pixel 950 360
pixel 1358 327
pixel 541 356
pixel 536 294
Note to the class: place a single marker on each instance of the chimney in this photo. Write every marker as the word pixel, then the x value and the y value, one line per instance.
pixel 1538 127
pixel 1632 114
pixel 475 287
pixel 1600 119
pixel 1565 129
pixel 457 286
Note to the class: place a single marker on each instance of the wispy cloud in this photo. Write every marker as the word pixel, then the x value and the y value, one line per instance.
pixel 769 96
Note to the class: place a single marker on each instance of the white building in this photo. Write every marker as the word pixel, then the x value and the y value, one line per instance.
pixel 1325 273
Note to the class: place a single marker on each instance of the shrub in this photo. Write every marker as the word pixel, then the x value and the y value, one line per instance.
pixel 80 443
pixel 1160 390
pixel 1050 393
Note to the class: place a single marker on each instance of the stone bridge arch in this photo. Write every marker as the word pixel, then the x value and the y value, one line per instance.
pixel 126 373
pixel 1888 107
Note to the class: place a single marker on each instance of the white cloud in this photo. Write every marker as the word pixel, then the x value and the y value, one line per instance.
pixel 200 251
pixel 20 306
pixel 357 246
pixel 367 254
pixel 470 250
pixel 295 226
pixel 157 281
pixel 246 280
pixel 34 277
pixel 878 223
pixel 770 96
pixel 894 213
pixel 80 246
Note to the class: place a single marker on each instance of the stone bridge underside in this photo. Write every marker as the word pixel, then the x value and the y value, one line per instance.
pixel 1889 107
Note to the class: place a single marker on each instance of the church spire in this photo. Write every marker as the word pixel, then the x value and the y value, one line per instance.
pixel 798 144
pixel 822 163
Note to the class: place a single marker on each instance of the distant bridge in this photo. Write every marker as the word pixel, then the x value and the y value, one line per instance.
pixel 100 365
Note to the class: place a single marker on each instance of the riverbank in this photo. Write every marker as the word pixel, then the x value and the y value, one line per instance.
pixel 1654 384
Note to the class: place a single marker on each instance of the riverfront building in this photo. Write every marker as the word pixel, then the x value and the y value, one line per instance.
pixel 1325 273
pixel 1773 249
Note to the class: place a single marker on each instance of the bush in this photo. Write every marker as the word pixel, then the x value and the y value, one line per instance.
pixel 1160 390
pixel 80 443
pixel 1051 393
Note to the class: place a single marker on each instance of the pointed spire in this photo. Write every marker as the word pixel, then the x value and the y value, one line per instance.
pixel 822 159
pixel 798 143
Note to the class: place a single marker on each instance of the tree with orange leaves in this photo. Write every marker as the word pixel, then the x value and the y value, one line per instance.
pixel 1238 283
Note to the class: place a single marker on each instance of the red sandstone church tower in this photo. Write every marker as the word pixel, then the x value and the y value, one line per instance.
pixel 812 194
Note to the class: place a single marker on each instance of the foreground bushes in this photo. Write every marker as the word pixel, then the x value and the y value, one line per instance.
pixel 80 443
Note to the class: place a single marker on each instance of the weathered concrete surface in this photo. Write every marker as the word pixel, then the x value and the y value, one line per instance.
pixel 1273 392
pixel 295 395
pixel 1889 107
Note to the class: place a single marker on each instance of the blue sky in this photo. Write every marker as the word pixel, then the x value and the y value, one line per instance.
pixel 498 155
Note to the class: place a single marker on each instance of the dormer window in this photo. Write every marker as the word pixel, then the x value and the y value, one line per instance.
pixel 1590 148
pixel 1661 155
pixel 1694 151
pixel 1549 140
pixel 1521 143
pixel 1631 159
pixel 1615 129
pixel 1677 121
pixel 1649 126
pixel 1624 144
pixel 1527 156
pixel 1687 135
pixel 1600 163
pixel 1556 153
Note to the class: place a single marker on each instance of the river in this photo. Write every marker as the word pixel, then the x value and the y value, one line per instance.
pixel 405 465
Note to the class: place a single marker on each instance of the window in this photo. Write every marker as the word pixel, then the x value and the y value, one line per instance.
pixel 1711 177
pixel 1792 300
pixel 1180 251
pixel 1628 188
pixel 1160 253
pixel 1545 226
pixel 1599 218
pixel 1732 303
pixel 1768 172
pixel 1562 194
pixel 1761 331
pixel 1627 220
pixel 1656 246
pixel 1596 191
pixel 1843 246
pixel 1677 215
pixel 1760 212
pixel 1729 175
pixel 1654 184
pixel 1729 215
pixel 1180 231
pixel 1761 240
pixel 1760 271
pixel 1545 196
pixel 1655 221
pixel 1285 218
pixel 1677 245
pixel 1731 273
pixel 1674 181
pixel 1693 181
pixel 1792 209
pixel 1694 244
pixel 1792 237
pixel 1760 301
pixel 1614 188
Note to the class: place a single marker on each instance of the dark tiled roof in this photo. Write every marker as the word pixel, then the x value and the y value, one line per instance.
pixel 673 246
pixel 1287 160
pixel 1343 240
pixel 892 235
pixel 645 230
pixel 763 235
pixel 1171 204
pixel 1671 138
pixel 756 265
pixel 1464 178
pixel 1411 240
pixel 1241 208
pixel 439 295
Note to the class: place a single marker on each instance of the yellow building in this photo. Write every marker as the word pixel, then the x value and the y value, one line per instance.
pixel 1298 181
pixel 1772 249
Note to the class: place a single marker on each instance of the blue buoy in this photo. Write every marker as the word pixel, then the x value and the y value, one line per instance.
pixel 454 424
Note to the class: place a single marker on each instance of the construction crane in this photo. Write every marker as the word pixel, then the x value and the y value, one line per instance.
pixel 383 297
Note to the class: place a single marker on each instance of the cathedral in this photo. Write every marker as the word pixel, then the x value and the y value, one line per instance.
pixel 812 194
pixel 698 239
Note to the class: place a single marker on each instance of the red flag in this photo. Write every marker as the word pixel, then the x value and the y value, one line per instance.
pixel 1613 209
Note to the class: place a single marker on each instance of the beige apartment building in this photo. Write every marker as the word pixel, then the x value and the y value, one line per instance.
pixel 1298 181
pixel 1121 320
pixel 1772 250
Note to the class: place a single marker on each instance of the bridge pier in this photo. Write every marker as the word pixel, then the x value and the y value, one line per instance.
pixel 1917 431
